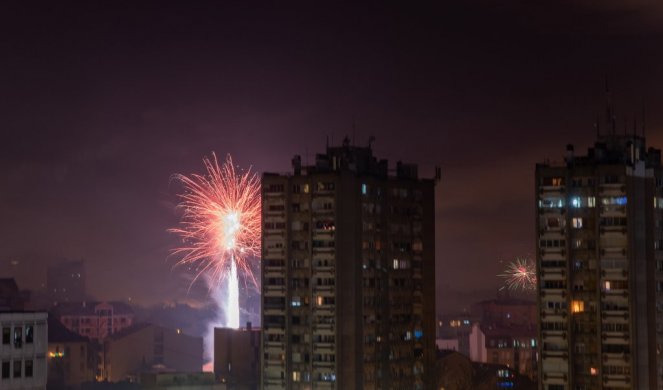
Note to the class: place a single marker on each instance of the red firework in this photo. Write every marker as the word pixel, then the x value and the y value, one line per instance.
pixel 520 275
pixel 221 220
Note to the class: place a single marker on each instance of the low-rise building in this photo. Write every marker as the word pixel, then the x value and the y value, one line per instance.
pixel 180 381
pixel 514 347
pixel 23 350
pixel 72 358
pixel 237 357
pixel 144 347
pixel 95 320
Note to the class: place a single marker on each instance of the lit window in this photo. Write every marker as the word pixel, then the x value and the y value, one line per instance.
pixel 454 323
pixel 296 302
pixel 577 223
pixel 593 371
pixel 577 306
pixel 591 201
pixel 319 300
pixel 576 202
pixel 556 181
pixel 296 376
pixel 364 189
pixel 606 285
pixel 395 263
pixel 306 188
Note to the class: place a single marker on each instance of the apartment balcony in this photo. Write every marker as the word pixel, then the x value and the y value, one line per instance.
pixel 274 291
pixel 322 346
pixel 617 381
pixel 560 354
pixel 273 253
pixel 553 292
pixel 612 189
pixel 620 338
pixel 553 335
pixel 274 346
pixel 552 189
pixel 553 274
pixel 621 312
pixel 554 314
pixel 618 296
pixel 324 329
pixel 615 357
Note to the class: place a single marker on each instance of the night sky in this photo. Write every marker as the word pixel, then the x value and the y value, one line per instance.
pixel 100 105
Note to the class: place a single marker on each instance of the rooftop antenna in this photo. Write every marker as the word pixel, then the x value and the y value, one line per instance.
pixel 354 128
pixel 643 118
pixel 609 110
pixel 635 126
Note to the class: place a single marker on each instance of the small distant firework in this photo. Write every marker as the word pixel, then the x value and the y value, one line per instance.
pixel 520 274
pixel 220 227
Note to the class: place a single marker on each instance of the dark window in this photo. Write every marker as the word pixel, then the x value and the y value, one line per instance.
pixel 28 368
pixel 17 368
pixel 5 369
pixel 6 335
pixel 29 334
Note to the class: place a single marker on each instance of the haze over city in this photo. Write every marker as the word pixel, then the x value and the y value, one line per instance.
pixel 102 105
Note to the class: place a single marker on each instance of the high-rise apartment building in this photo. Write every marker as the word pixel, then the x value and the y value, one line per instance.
pixel 348 275
pixel 65 282
pixel 600 266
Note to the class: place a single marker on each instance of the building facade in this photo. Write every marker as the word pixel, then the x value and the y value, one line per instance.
pixel 23 350
pixel 65 282
pixel 95 320
pixel 145 347
pixel 512 346
pixel 237 357
pixel 348 275
pixel 72 358
pixel 600 267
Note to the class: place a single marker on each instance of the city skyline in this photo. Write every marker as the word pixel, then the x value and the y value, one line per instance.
pixel 103 106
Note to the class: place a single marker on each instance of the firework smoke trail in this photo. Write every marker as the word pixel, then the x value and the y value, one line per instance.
pixel 232 308
pixel 520 275
pixel 220 230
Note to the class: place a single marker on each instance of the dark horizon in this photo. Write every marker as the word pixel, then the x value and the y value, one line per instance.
pixel 101 105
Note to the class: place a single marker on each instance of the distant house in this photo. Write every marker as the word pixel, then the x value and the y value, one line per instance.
pixel 72 358
pixel 95 320
pixel 145 348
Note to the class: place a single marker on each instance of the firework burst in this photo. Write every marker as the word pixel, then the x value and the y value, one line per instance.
pixel 220 225
pixel 520 275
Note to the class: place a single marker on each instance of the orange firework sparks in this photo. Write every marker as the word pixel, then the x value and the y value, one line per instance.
pixel 221 220
pixel 520 275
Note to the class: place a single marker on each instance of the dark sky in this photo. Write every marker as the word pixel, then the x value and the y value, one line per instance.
pixel 99 105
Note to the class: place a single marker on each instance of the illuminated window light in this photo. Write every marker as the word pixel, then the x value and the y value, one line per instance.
pixel 577 306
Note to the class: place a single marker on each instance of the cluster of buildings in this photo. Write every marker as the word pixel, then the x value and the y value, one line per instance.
pixel 76 344
pixel 348 292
